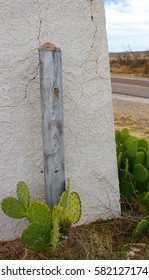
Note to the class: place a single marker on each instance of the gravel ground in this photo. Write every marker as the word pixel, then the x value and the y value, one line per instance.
pixel 133 113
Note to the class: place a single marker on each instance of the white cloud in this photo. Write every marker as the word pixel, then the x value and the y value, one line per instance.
pixel 127 21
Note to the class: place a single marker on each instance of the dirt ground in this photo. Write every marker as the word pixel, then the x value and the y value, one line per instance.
pixel 133 113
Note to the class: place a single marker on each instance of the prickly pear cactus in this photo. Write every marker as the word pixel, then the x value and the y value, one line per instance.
pixel 124 133
pixel 140 173
pixel 60 214
pixel 12 207
pixel 126 184
pixel 74 209
pixel 36 237
pixel 55 235
pixel 140 229
pixel 131 145
pixel 133 163
pixel 45 225
pixel 39 213
pixel 23 194
pixel 139 158
pixel 64 197
pixel 142 143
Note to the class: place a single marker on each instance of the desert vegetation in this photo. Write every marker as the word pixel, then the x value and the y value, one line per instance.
pixel 129 62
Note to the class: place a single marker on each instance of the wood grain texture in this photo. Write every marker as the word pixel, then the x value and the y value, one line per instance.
pixel 52 123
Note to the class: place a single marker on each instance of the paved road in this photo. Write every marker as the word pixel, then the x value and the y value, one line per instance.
pixel 130 86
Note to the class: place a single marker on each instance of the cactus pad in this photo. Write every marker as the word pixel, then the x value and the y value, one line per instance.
pixel 143 144
pixel 39 212
pixel 124 133
pixel 36 237
pixel 142 226
pixel 55 235
pixel 74 207
pixel 118 137
pixel 64 197
pixel 23 194
pixel 139 158
pixel 126 184
pixel 131 145
pixel 60 214
pixel 12 207
pixel 140 173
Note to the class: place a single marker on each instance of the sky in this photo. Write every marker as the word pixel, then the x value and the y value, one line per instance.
pixel 127 24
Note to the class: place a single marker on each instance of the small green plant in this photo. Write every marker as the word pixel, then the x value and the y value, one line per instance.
pixel 45 225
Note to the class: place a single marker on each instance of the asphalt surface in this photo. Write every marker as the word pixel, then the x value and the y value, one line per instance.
pixel 130 86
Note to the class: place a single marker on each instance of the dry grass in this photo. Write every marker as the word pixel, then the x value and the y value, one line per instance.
pixel 100 240
pixel 130 63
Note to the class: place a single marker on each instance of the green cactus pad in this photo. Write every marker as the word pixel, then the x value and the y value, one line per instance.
pixel 143 144
pixel 118 137
pixel 139 158
pixel 124 133
pixel 126 184
pixel 140 173
pixel 141 228
pixel 74 209
pixel 12 207
pixel 146 156
pixel 55 235
pixel 23 194
pixel 36 237
pixel 124 145
pixel 39 212
pixel 131 145
pixel 64 197
pixel 60 214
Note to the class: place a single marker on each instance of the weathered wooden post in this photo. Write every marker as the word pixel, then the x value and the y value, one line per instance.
pixel 52 121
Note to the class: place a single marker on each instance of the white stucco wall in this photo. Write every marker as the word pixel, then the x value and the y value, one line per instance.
pixel 78 28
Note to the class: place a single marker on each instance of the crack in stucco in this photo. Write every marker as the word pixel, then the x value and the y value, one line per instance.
pixel 95 32
pixel 30 81
pixel 25 91
pixel 75 138
pixel 39 32
pixel 40 23
pixel 92 49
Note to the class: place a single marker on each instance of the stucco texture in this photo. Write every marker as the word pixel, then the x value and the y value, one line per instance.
pixel 78 28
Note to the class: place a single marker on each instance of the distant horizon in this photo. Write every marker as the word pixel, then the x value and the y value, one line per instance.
pixel 127 24
pixel 131 51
